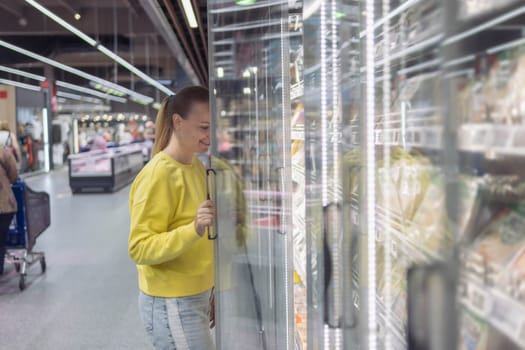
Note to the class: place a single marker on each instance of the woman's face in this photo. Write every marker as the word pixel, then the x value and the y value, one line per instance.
pixel 193 133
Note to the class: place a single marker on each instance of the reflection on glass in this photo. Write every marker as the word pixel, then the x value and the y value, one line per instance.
pixel 254 271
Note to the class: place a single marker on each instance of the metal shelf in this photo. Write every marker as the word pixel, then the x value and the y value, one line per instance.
pixel 501 311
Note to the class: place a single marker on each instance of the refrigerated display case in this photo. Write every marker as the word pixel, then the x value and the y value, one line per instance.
pixel 251 111
pixel 107 171
pixel 416 169
pixel 379 147
pixel 486 83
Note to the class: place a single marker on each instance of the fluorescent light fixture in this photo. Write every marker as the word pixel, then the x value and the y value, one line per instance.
pixel 134 70
pixel 506 46
pixel 190 14
pixel 20 85
pixel 224 42
pixel 223 54
pixel 139 101
pixel 420 66
pixel 90 91
pixel 105 50
pixel 472 31
pixel 107 90
pixel 45 124
pixel 72 70
pixel 245 2
pixel 71 96
pixel 82 108
pixel 22 73
pixel 459 61
pixel 224 62
pixel 247 25
pixel 63 23
pixel 220 72
pixel 371 165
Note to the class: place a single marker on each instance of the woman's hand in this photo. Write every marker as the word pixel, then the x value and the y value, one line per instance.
pixel 205 217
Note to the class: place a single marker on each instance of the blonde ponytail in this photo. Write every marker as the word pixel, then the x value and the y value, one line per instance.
pixel 180 104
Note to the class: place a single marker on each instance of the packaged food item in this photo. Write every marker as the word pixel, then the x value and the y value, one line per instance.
pixel 513 280
pixel 429 226
pixel 473 334
pixel 469 207
pixel 499 245
pixel 470 9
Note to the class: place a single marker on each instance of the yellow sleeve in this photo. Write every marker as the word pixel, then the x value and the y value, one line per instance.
pixel 150 242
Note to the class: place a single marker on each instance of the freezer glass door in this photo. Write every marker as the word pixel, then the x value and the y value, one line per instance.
pixel 251 179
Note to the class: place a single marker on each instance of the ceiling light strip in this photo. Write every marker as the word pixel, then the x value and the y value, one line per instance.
pixel 134 70
pixel 72 70
pixel 506 46
pixel 63 23
pixel 104 50
pixel 71 96
pixel 20 85
pixel 487 25
pixel 190 14
pixel 237 8
pixel 22 73
pixel 90 92
pixel 247 25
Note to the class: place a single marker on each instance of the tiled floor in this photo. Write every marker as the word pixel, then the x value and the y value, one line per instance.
pixel 87 299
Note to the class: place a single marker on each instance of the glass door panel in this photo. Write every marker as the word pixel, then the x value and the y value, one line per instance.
pixel 251 116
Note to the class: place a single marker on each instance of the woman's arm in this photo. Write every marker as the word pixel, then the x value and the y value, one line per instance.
pixel 150 242
pixel 9 163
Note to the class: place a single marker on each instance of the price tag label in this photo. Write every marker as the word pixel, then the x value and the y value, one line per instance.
pixel 476 298
pixel 507 316
pixel 355 218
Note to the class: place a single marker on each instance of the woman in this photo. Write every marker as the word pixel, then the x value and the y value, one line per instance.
pixel 8 175
pixel 169 216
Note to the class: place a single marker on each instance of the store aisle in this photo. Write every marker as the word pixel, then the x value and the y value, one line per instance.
pixel 88 297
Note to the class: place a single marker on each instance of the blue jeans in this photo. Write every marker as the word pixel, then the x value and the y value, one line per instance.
pixel 177 323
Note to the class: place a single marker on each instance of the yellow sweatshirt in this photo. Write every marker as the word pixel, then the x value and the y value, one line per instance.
pixel 172 259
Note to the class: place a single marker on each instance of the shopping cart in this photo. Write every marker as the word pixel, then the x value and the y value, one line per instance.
pixel 31 220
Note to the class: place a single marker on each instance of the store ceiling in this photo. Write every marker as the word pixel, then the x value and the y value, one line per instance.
pixel 153 35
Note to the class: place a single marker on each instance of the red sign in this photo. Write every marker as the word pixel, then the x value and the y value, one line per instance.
pixel 3 94
pixel 54 100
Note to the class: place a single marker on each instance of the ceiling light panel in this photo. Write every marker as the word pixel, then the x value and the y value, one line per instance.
pixel 90 92
pixel 74 71
pixel 20 85
pixel 190 14
pixel 106 51
pixel 22 73
pixel 63 23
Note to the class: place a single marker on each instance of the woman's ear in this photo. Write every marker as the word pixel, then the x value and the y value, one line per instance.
pixel 177 121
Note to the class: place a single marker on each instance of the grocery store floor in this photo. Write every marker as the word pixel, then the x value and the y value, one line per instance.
pixel 87 299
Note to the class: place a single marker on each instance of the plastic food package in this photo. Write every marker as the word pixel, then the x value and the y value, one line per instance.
pixel 513 278
pixel 429 227
pixel 469 205
pixel 499 244
pixel 473 335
